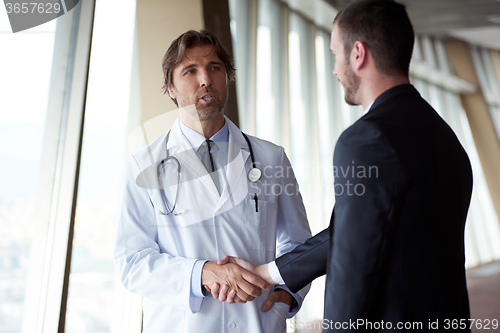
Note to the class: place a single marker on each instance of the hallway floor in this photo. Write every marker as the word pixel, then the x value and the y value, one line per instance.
pixel 484 294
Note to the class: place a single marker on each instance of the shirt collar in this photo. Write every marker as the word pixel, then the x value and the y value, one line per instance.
pixel 368 108
pixel 221 138
pixel 196 139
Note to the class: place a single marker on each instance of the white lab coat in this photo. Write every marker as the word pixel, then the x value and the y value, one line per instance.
pixel 155 253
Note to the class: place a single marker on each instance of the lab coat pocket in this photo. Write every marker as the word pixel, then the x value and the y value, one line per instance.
pixel 260 223
pixel 276 318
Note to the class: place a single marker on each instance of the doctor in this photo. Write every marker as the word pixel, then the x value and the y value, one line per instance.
pixel 202 191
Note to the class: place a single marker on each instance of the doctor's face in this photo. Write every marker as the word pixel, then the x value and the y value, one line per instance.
pixel 200 80
pixel 343 70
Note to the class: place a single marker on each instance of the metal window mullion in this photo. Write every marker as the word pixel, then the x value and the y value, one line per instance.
pixel 74 139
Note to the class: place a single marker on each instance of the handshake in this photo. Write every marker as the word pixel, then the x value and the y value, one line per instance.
pixel 234 280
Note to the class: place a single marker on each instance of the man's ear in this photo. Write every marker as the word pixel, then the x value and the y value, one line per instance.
pixel 171 91
pixel 359 55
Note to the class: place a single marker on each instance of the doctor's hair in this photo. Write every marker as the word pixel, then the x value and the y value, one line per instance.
pixel 176 52
pixel 384 27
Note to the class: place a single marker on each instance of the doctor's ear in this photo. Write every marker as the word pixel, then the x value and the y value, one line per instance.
pixel 171 93
pixel 169 89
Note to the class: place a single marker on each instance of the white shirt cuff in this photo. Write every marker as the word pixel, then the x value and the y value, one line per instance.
pixel 196 288
pixel 275 273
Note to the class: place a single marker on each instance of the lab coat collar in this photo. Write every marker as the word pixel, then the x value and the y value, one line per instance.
pixel 236 185
pixel 236 135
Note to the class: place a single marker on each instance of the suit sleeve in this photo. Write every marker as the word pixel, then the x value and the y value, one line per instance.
pixel 142 267
pixel 306 262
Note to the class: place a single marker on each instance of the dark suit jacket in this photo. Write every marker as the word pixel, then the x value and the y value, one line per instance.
pixel 394 250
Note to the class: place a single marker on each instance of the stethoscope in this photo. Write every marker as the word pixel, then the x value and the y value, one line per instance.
pixel 254 175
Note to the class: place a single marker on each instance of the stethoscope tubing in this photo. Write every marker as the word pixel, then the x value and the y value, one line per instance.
pixel 253 175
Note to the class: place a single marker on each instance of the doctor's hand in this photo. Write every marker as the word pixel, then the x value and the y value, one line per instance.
pixel 243 286
pixel 223 292
pixel 262 270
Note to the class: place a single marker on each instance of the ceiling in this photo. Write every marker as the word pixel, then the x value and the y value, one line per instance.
pixel 475 21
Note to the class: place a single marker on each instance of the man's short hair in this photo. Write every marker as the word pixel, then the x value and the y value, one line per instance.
pixel 384 27
pixel 189 39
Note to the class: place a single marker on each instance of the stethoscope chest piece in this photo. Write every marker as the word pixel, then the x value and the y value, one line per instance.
pixel 254 175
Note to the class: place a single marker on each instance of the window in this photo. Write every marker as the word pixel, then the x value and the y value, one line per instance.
pixel 25 83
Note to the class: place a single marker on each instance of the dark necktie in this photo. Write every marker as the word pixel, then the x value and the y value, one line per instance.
pixel 209 163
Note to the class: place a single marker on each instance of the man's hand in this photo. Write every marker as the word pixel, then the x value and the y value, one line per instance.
pixel 225 294
pixel 261 270
pixel 278 296
pixel 242 285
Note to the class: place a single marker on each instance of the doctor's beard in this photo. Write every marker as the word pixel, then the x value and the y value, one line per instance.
pixel 206 112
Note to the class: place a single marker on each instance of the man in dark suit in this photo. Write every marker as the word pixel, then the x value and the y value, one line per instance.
pixel 394 250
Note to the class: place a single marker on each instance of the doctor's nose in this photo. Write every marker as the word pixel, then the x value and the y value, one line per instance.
pixel 205 79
